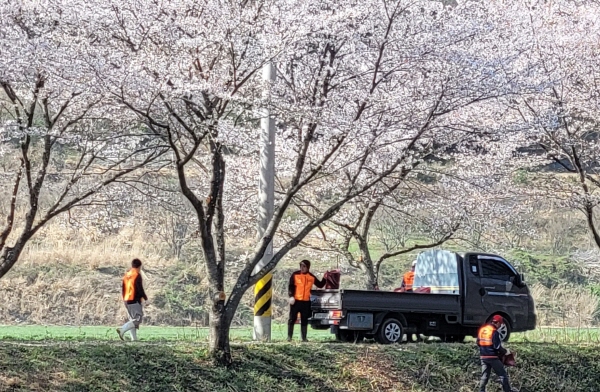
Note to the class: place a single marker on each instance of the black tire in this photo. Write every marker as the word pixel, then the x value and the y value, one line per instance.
pixel 343 335
pixel 390 331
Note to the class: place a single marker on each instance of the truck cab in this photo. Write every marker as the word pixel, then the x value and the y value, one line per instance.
pixel 493 286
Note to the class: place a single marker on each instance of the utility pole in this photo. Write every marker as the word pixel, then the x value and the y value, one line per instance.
pixel 263 290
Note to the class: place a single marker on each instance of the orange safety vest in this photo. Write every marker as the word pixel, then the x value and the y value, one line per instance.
pixel 303 282
pixel 129 283
pixel 485 334
pixel 485 341
pixel 409 279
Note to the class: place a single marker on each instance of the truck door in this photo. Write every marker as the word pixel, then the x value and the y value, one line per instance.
pixel 474 312
pixel 501 294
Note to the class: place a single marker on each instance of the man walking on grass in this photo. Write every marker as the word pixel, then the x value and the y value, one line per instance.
pixel 133 294
pixel 490 353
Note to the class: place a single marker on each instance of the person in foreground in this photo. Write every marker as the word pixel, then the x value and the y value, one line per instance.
pixel 301 282
pixel 133 296
pixel 490 353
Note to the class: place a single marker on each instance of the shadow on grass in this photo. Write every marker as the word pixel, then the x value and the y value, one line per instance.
pixel 156 367
pixel 153 367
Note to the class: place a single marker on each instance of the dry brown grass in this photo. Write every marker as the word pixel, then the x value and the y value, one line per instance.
pixel 72 276
pixel 564 305
pixel 88 247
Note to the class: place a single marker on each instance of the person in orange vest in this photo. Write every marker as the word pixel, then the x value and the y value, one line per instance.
pixel 132 291
pixel 409 279
pixel 301 282
pixel 491 352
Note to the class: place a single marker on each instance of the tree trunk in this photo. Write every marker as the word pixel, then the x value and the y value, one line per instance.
pixel 371 282
pixel 370 277
pixel 10 256
pixel 367 264
pixel 219 324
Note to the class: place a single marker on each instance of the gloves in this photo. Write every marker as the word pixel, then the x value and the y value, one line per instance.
pixel 291 300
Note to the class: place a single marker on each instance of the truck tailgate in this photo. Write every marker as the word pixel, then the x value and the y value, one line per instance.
pixel 325 299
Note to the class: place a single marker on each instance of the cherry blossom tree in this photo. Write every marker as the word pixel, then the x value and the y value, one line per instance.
pixel 365 92
pixel 413 217
pixel 188 71
pixel 59 143
pixel 429 75
pixel 561 114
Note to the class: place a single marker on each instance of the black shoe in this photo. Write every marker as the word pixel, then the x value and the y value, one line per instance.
pixel 289 339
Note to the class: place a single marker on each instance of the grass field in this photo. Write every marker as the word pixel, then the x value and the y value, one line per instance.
pixel 72 366
pixel 90 359
pixel 278 334
pixel 146 333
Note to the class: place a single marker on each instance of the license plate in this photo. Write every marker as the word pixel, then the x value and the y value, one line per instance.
pixel 320 316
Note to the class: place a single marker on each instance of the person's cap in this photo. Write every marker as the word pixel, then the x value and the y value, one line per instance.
pixel 414 263
pixel 306 263
pixel 497 319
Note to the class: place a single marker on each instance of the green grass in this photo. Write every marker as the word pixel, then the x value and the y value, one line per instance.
pixel 317 366
pixel 583 335
pixel 59 358
pixel 244 334
pixel 146 333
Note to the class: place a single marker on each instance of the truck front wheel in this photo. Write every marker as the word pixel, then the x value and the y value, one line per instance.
pixel 390 332
pixel 504 331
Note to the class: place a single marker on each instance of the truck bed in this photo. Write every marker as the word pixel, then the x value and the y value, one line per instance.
pixel 361 300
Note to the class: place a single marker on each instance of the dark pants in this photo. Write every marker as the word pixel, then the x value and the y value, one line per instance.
pixel 486 369
pixel 302 307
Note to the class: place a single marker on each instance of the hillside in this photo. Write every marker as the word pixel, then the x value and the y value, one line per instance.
pixel 77 282
pixel 70 272
pixel 325 367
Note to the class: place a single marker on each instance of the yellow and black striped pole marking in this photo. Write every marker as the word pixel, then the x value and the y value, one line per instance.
pixel 263 294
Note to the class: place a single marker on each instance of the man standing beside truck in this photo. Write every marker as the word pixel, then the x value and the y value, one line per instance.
pixel 409 279
pixel 301 282
pixel 490 352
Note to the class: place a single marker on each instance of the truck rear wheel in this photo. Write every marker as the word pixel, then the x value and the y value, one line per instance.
pixel 390 332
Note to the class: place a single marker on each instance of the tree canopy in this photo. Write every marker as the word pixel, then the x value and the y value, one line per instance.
pixel 369 96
